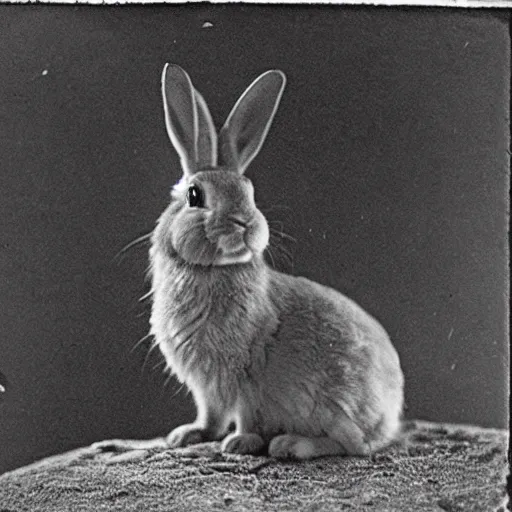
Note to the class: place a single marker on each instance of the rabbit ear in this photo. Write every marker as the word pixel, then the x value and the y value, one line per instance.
pixel 188 120
pixel 248 123
pixel 207 136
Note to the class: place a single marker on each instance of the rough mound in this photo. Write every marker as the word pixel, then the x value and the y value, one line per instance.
pixel 435 467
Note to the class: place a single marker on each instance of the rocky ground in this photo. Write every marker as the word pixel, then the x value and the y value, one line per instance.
pixel 436 467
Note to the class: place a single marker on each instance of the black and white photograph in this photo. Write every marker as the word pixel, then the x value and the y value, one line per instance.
pixel 254 257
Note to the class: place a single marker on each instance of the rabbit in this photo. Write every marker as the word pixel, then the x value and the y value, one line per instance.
pixel 274 362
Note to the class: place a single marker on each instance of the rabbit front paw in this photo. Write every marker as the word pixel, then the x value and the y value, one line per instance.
pixel 185 435
pixel 244 444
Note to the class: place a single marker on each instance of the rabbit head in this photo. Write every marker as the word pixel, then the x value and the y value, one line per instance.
pixel 212 218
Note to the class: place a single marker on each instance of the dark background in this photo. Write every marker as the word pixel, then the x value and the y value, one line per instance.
pixel 387 161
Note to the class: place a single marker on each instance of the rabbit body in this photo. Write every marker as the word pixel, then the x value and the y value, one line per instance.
pixel 291 364
pixel 280 355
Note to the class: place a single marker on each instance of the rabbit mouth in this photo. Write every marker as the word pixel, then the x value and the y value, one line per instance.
pixel 241 255
pixel 231 248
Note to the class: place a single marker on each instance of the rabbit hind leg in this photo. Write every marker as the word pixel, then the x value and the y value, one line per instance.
pixel 344 438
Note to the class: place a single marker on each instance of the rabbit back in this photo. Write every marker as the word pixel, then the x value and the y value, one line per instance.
pixel 329 369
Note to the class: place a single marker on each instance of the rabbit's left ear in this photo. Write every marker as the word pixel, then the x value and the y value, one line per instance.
pixel 247 125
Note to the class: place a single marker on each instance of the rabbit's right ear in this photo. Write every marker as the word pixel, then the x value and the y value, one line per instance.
pixel 188 121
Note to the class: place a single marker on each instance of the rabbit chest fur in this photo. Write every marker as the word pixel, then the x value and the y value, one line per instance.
pixel 207 323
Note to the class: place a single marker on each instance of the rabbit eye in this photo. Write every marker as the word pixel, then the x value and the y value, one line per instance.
pixel 195 197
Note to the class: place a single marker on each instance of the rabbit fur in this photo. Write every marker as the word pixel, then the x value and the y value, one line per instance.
pixel 273 361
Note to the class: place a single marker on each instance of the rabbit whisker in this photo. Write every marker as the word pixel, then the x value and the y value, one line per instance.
pixel 282 235
pixel 168 380
pixel 284 258
pixel 269 252
pixel 283 250
pixel 276 239
pixel 148 273
pixel 150 350
pixel 160 363
pixel 178 390
pixel 146 295
pixel 142 340
pixel 133 243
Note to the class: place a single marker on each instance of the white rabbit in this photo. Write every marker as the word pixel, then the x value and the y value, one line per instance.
pixel 292 364
pixel 295 367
